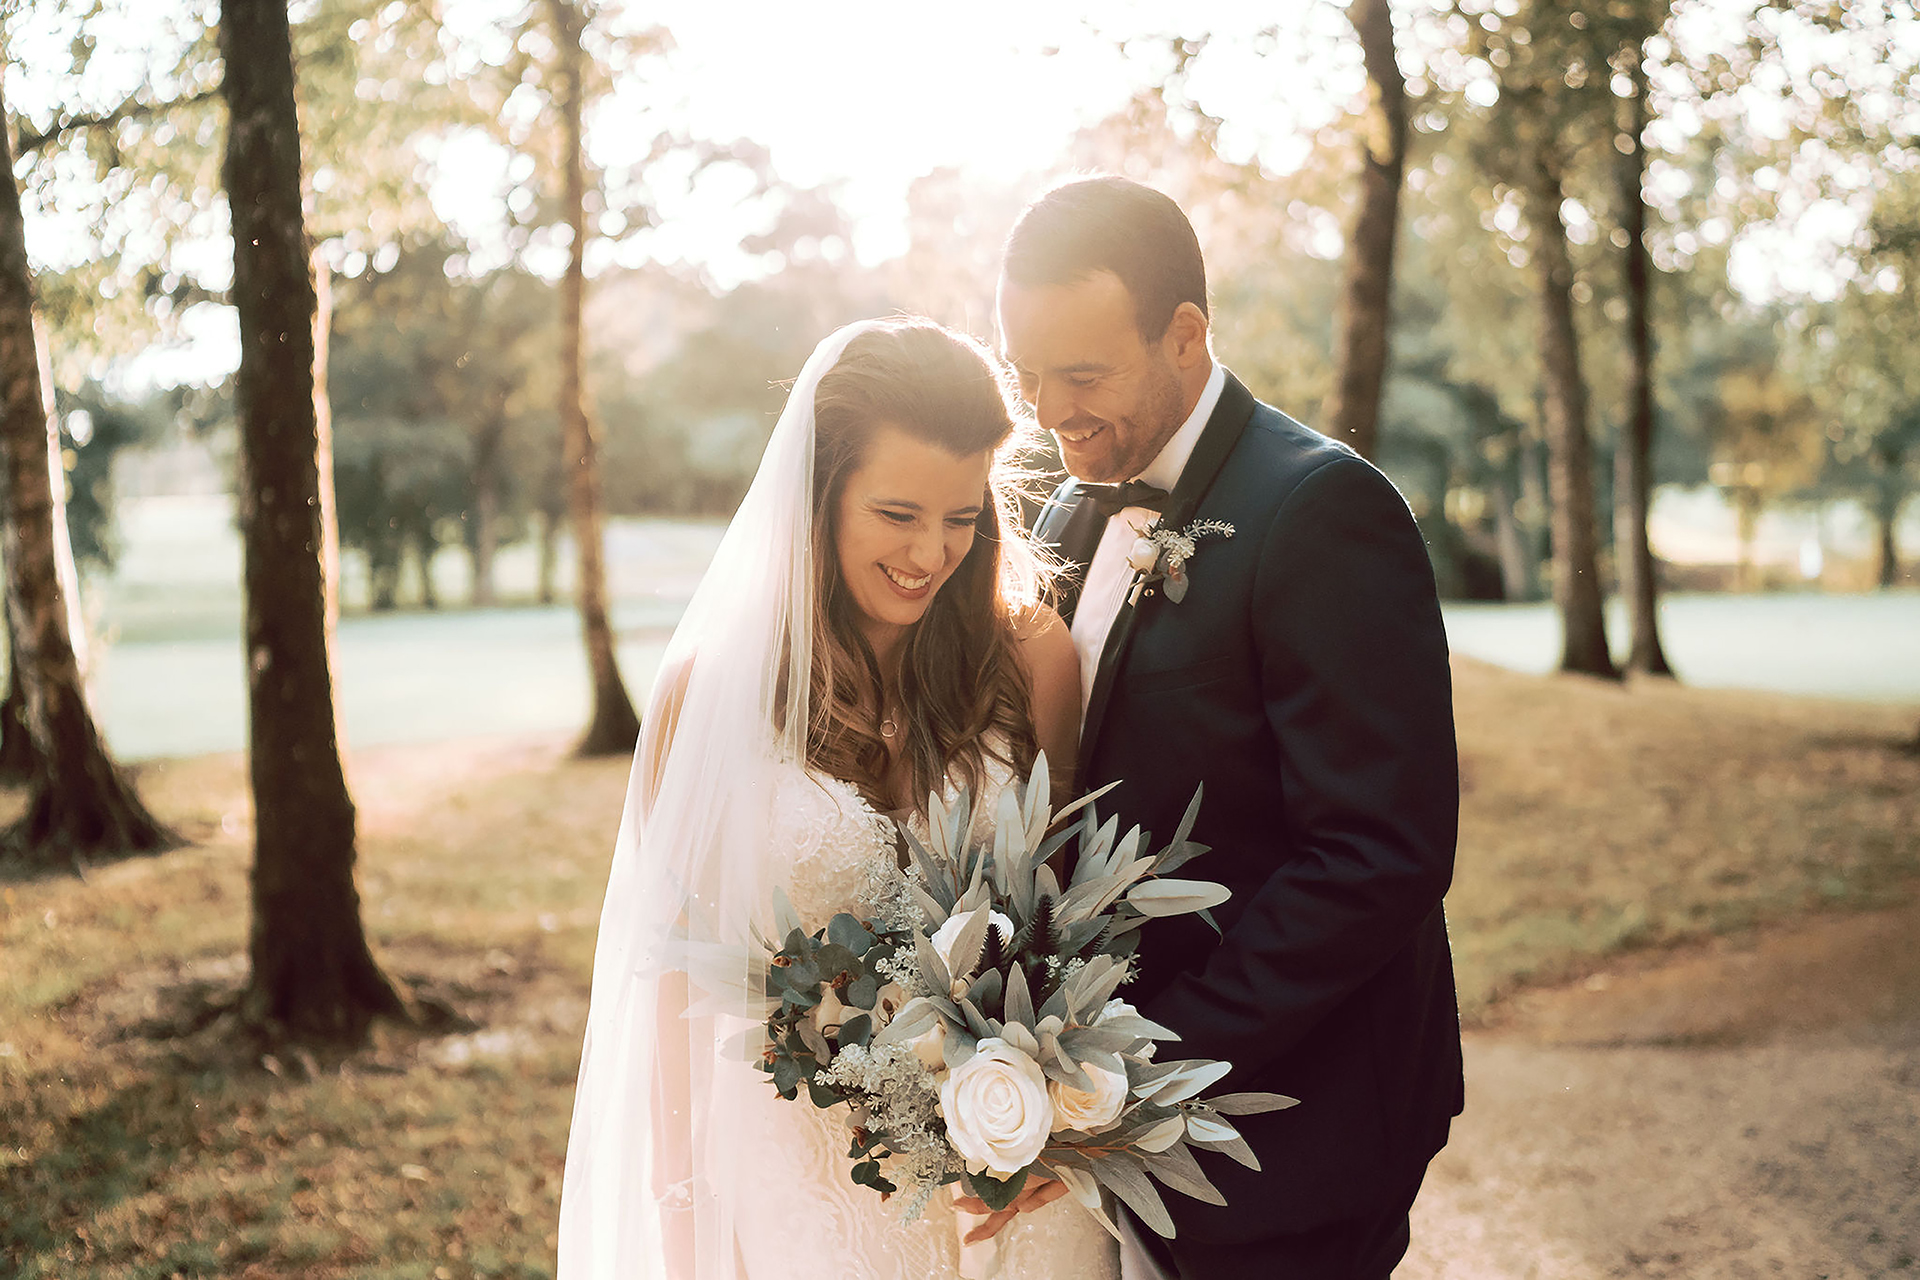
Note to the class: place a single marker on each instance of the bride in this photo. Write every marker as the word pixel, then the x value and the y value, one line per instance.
pixel 871 631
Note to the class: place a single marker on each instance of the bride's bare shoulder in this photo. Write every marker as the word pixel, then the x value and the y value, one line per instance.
pixel 1045 644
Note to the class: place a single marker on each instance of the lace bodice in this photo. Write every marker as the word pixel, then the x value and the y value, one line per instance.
pixel 808 1218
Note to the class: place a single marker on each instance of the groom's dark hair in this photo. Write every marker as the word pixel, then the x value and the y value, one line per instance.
pixel 1088 225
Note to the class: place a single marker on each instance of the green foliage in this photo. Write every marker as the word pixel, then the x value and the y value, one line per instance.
pixel 440 389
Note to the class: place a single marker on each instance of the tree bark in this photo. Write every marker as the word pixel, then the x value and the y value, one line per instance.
pixel 1891 496
pixel 79 803
pixel 1516 564
pixel 614 727
pixel 312 972
pixel 484 535
pixel 16 743
pixel 547 589
pixel 1633 464
pixel 1352 412
pixel 1576 576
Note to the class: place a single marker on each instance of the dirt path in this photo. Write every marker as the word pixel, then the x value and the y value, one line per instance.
pixel 1732 1111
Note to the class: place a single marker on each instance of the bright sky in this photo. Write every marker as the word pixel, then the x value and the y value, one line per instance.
pixel 877 93
pixel 865 95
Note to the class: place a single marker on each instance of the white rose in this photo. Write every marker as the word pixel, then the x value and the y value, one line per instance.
pixel 997 1109
pixel 1144 555
pixel 1114 1008
pixel 1089 1110
pixel 947 934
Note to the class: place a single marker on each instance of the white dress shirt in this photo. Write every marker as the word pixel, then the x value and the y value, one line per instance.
pixel 1109 577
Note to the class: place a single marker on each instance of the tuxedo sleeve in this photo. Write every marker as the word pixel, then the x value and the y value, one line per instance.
pixel 1365 807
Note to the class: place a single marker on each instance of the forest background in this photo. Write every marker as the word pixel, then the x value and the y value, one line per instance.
pixel 1619 294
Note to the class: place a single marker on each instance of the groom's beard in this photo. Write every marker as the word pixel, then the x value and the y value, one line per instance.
pixel 1131 442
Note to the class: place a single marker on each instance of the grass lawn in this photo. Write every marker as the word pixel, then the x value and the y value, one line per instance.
pixel 1596 819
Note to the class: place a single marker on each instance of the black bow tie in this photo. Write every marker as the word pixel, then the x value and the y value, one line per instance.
pixel 1112 498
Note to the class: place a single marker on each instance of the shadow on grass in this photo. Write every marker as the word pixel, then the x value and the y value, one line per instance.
pixel 98 1155
pixel 193 1143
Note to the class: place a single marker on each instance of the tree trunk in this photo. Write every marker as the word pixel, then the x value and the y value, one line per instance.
pixel 424 549
pixel 1576 576
pixel 65 567
pixel 79 803
pixel 483 537
pixel 1747 526
pixel 1516 564
pixel 16 743
pixel 1891 496
pixel 1633 472
pixel 614 727
pixel 548 588
pixel 1888 573
pixel 312 972
pixel 1353 409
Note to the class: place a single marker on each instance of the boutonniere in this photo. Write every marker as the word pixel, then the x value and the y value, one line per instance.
pixel 1161 555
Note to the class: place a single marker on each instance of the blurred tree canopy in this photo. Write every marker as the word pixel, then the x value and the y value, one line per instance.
pixel 1759 116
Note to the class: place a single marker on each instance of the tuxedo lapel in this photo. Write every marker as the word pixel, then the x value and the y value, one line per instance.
pixel 1229 419
pixel 1070 527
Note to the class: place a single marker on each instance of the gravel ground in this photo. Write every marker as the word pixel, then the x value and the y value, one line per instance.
pixel 1743 1109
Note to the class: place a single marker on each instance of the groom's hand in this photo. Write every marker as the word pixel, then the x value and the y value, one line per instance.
pixel 1036 1196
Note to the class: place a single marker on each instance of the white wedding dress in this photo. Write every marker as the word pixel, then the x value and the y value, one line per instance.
pixel 682 1162
pixel 808 1218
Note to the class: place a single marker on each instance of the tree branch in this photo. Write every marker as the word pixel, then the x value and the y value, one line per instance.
pixel 131 109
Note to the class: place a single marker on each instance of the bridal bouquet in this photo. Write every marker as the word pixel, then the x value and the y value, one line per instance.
pixel 972 1023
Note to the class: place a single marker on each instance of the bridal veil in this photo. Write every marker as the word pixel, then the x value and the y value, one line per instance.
pixel 653 1175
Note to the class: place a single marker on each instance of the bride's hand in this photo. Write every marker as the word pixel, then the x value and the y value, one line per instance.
pixel 1037 1196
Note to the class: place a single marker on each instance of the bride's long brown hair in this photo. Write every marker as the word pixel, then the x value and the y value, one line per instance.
pixel 964 693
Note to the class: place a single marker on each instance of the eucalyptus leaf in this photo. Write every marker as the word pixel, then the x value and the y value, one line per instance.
pixel 815 1040
pixel 1019 1005
pixel 957 1048
pixel 933 876
pixel 1250 1104
pixel 1059 1066
pixel 1008 827
pixel 856 1030
pixel 1084 802
pixel 1174 857
pixel 1187 819
pixel 917 1017
pixel 993 1192
pixel 1146 1078
pixel 965 952
pixel 1237 1150
pixel 1092 863
pixel 845 931
pixel 1083 1187
pixel 932 967
pixel 1045 884
pixel 1177 1168
pixel 930 906
pixel 1161 897
pixel 1189 1081
pixel 1162 1134
pixel 1202 1127
pixel 1021 1037
pixel 1081 1041
pixel 976 1021
pixel 987 989
pixel 862 991
pixel 1126 1177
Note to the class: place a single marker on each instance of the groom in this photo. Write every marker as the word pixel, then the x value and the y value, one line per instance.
pixel 1295 663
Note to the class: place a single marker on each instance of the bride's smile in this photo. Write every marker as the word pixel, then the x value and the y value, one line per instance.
pixel 904 522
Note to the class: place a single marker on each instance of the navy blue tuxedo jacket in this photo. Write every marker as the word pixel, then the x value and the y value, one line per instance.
pixel 1304 679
